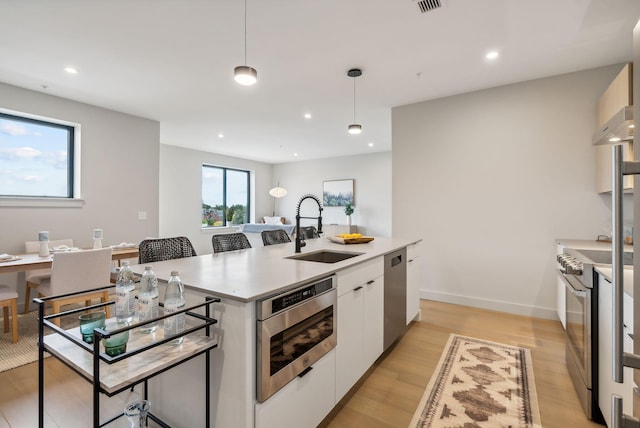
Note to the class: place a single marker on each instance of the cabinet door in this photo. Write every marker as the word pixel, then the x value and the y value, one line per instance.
pixel 413 283
pixel 605 349
pixel 373 321
pixel 349 354
pixel 304 401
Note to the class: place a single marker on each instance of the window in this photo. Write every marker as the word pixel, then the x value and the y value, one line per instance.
pixel 225 196
pixel 36 158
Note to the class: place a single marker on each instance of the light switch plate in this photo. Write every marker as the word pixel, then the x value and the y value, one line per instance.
pixel 142 215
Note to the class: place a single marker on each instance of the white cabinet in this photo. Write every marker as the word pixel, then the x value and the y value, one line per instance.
pixel 373 311
pixel 413 282
pixel 304 401
pixel 605 349
pixel 561 297
pixel 360 322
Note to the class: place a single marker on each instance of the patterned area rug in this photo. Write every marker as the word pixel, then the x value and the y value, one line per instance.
pixel 26 350
pixel 480 384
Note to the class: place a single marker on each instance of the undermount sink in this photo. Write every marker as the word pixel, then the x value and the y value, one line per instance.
pixel 324 256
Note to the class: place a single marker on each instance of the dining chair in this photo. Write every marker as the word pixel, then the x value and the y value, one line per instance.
pixel 272 237
pixel 229 242
pixel 9 301
pixel 309 232
pixel 159 249
pixel 34 277
pixel 77 271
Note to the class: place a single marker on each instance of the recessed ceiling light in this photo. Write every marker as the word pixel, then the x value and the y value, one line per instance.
pixel 221 135
pixel 614 139
pixel 370 144
pixel 295 154
pixel 492 55
pixel 71 70
pixel 307 115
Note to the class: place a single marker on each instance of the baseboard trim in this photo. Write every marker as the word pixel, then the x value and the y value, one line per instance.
pixel 494 305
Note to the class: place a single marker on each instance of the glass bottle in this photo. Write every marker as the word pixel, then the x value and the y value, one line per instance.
pixel 174 301
pixel 148 300
pixel 125 298
pixel 137 412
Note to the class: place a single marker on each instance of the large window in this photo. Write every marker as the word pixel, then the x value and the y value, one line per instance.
pixel 36 158
pixel 225 196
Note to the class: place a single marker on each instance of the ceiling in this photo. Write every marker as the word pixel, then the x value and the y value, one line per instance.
pixel 173 60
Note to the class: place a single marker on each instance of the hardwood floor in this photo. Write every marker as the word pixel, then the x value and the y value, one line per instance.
pixel 386 398
pixel 391 391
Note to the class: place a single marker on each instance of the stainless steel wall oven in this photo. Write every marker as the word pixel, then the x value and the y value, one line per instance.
pixel 294 330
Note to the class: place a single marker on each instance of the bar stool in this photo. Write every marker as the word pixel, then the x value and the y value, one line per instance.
pixel 9 299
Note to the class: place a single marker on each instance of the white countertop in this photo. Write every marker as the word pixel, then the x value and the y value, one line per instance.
pixel 251 274
pixel 606 270
pixel 584 244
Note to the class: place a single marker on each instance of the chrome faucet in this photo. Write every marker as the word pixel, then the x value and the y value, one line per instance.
pixel 299 241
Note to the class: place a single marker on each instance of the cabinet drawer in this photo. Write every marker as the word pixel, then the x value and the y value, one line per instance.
pixel 359 274
pixel 304 401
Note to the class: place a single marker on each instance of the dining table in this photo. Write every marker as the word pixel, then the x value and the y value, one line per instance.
pixel 31 261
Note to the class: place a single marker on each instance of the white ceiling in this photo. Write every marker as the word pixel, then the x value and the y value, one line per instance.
pixel 172 61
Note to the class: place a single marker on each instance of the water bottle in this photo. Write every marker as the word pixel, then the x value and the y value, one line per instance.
pixel 174 301
pixel 148 300
pixel 125 298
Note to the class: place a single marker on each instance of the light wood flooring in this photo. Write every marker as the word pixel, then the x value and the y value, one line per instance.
pixel 391 392
pixel 386 397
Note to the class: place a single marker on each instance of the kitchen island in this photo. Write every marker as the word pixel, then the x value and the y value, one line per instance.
pixel 240 278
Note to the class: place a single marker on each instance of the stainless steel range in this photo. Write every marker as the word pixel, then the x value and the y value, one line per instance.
pixel 576 268
pixel 576 271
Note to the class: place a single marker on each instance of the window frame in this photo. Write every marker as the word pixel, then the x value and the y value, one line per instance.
pixel 225 169
pixel 73 197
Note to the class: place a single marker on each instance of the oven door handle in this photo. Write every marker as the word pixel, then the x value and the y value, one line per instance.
pixel 571 288
pixel 577 293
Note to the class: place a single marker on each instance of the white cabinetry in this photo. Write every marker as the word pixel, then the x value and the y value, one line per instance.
pixel 561 297
pixel 304 401
pixel 413 282
pixel 605 349
pixel 360 322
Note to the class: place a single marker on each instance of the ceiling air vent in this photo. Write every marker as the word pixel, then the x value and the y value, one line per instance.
pixel 429 5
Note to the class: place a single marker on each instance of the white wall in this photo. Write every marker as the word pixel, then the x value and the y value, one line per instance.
pixel 490 179
pixel 372 190
pixel 181 192
pixel 119 173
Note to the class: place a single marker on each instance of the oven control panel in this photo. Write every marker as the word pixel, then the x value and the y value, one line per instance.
pixel 570 264
pixel 269 307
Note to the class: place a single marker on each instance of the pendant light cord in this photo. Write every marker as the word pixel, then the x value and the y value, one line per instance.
pixel 354 99
pixel 245 32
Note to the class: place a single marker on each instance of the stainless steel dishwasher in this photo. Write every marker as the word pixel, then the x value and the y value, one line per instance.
pixel 395 295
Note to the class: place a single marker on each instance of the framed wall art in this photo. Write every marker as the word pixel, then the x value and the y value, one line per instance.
pixel 337 193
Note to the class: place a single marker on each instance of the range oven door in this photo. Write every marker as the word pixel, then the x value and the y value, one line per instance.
pixel 292 340
pixel 578 333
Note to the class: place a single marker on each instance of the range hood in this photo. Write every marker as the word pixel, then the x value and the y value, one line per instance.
pixel 618 129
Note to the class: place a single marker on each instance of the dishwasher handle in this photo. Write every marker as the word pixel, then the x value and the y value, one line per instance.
pixel 395 261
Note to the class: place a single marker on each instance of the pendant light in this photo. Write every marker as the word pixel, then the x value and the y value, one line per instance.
pixel 243 74
pixel 277 193
pixel 354 128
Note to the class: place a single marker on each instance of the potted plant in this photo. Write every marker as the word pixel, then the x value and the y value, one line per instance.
pixel 348 210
